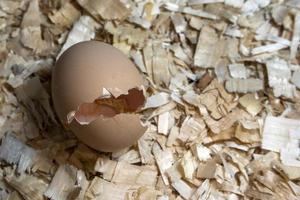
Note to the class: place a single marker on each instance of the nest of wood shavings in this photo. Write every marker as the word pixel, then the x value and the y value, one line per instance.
pixel 223 106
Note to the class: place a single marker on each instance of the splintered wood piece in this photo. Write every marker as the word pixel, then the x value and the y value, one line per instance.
pixel 83 30
pixel 164 160
pixel 183 189
pixel 63 183
pixel 244 85
pixel 65 16
pixel 276 133
pixel 106 9
pixel 30 187
pixel 296 36
pixel 134 175
pixel 204 81
pixel 209 48
pixel 191 128
pixel 101 189
pixel 251 103
pixel 279 75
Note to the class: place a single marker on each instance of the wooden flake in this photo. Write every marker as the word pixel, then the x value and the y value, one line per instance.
pixel 225 122
pixel 209 48
pixel 100 189
pixel 244 85
pixel 172 136
pixel 295 188
pixel 138 59
pixel 277 132
pixel 165 123
pixel 246 135
pixel 109 10
pixel 207 170
pixel 278 13
pixel 279 75
pixel 251 6
pixel 31 33
pixel 160 65
pixel 202 191
pixel 14 151
pixel 197 2
pixel 296 78
pixel 157 100
pixel 30 187
pixel 296 36
pixel 289 154
pixel 188 164
pixel 269 48
pixel 251 103
pixel 132 156
pixel 63 183
pixel 145 146
pixel 233 32
pixel 106 166
pixel 164 160
pixel 180 53
pixel 203 153
pixel 179 22
pixel 135 175
pixel 238 71
pixel 191 128
pixel 235 3
pixel 183 189
pixel 65 16
pixel 199 13
pixel 83 30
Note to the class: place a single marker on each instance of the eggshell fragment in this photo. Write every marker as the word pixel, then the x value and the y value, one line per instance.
pixel 79 78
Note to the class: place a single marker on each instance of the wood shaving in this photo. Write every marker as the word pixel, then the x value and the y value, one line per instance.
pixel 221 100
pixel 105 9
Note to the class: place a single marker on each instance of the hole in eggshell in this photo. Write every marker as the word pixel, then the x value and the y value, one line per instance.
pixel 108 107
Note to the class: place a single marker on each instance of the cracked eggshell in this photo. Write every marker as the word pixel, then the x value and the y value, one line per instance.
pixel 79 76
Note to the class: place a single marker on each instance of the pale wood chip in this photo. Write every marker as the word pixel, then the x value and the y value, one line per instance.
pixel 83 30
pixel 106 166
pixel 251 103
pixel 183 189
pixel 244 85
pixel 65 16
pixel 296 36
pixel 106 9
pixel 279 75
pixel 174 133
pixel 63 183
pixel 164 159
pixel 276 133
pixel 209 48
pixel 100 189
pixel 157 100
pixel 192 127
pixel 30 187
pixel 126 173
pixel 189 165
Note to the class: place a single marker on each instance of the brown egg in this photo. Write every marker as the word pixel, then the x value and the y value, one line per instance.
pixel 79 77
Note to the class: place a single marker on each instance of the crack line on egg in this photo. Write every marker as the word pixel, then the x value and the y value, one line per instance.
pixel 108 107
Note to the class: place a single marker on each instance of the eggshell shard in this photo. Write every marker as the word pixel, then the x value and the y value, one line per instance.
pixel 79 77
